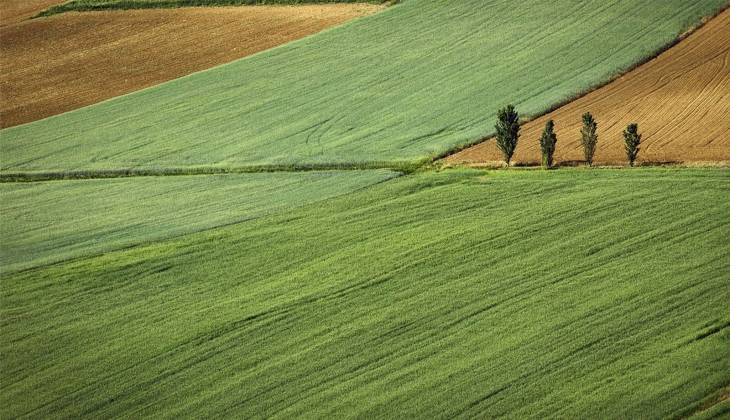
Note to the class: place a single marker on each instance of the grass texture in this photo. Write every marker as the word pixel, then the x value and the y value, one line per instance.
pixel 410 83
pixel 92 5
pixel 46 222
pixel 561 294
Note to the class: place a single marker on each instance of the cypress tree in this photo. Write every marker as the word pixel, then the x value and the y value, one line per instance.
pixel 589 137
pixel 508 131
pixel 547 144
pixel 632 140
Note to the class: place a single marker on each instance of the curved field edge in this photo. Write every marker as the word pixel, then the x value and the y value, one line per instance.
pixel 689 127
pixel 101 55
pixel 453 294
pixel 409 83
pixel 98 5
pixel 49 222
pixel 14 11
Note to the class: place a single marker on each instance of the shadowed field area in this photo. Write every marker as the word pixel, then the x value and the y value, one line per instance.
pixel 528 294
pixel 57 64
pixel 681 101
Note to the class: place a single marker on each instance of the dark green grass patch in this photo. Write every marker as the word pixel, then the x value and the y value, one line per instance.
pixel 560 294
pixel 45 222
pixel 410 83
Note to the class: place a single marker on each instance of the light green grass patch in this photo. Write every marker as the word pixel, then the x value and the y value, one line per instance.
pixel 540 294
pixel 45 222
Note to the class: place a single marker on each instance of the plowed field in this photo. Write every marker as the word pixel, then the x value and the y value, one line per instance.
pixel 681 101
pixel 418 80
pixel 67 61
pixel 14 11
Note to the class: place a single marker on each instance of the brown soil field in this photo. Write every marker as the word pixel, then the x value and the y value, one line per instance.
pixel 681 101
pixel 66 61
pixel 14 11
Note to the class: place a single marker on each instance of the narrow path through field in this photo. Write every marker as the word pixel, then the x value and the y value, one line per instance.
pixel 681 101
pixel 57 64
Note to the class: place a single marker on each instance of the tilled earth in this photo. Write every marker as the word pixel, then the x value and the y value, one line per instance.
pixel 681 101
pixel 67 61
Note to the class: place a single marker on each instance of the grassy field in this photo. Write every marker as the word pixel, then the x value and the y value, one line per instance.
pixel 46 222
pixel 569 294
pixel 15 11
pixel 37 82
pixel 90 5
pixel 409 83
pixel 692 127
pixel 460 293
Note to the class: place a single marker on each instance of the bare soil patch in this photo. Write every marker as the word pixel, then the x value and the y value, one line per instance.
pixel 14 11
pixel 57 64
pixel 681 101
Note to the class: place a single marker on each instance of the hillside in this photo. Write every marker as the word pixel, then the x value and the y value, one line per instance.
pixel 681 101
pixel 95 5
pixel 48 222
pixel 536 294
pixel 263 240
pixel 64 62
pixel 14 11
pixel 409 83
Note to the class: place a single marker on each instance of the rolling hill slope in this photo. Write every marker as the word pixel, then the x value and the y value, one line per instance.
pixel 95 5
pixel 14 11
pixel 441 294
pixel 65 62
pixel 561 294
pixel 412 82
pixel 681 101
pixel 48 222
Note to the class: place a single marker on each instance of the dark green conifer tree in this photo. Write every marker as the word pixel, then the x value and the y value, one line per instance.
pixel 547 144
pixel 632 140
pixel 508 131
pixel 589 137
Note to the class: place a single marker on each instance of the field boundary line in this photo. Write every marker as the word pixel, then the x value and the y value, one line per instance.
pixel 71 6
pixel 651 57
pixel 404 167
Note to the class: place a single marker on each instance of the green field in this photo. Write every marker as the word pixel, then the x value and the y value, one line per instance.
pixel 569 294
pixel 91 5
pixel 171 284
pixel 409 83
pixel 46 222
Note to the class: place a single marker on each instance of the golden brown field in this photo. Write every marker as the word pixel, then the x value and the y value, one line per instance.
pixel 681 101
pixel 14 11
pixel 57 64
